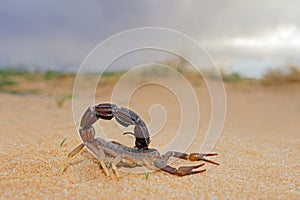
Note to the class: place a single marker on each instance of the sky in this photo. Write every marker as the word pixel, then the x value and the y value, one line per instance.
pixel 241 36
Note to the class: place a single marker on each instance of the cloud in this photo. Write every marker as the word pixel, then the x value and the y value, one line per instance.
pixel 287 36
pixel 55 33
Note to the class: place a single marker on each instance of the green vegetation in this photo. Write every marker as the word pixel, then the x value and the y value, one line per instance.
pixel 113 74
pixel 62 142
pixel 61 100
pixel 291 74
pixel 110 77
pixel 146 174
pixel 6 77
pixel 5 82
pixel 50 75
pixel 230 77
pixel 19 81
pixel 10 78
pixel 12 72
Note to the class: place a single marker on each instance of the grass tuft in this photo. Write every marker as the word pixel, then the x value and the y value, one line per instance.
pixel 230 77
pixel 61 100
pixel 50 75
pixel 291 74
pixel 146 174
pixel 62 142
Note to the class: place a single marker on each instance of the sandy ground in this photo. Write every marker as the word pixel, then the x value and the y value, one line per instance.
pixel 258 150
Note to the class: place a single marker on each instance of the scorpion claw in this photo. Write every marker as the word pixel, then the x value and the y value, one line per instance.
pixel 188 170
pixel 181 171
pixel 200 157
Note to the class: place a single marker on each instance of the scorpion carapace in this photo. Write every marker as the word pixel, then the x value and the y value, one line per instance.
pixel 123 116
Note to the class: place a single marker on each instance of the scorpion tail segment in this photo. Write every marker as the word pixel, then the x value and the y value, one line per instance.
pixel 126 117
pixel 181 171
pixel 142 136
pixel 87 134
pixel 89 118
pixel 105 110
pixel 141 131
pixel 200 157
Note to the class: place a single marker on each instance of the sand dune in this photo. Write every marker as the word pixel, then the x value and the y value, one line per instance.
pixel 258 149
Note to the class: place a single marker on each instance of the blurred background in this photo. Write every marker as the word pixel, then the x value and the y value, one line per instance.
pixel 244 37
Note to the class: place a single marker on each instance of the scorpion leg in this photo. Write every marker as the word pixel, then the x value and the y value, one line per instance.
pixel 99 152
pixel 114 163
pixel 119 158
pixel 181 171
pixel 191 157
pixel 70 155
pixel 148 163
pixel 87 135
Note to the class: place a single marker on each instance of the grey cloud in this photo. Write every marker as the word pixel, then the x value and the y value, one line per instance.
pixel 57 33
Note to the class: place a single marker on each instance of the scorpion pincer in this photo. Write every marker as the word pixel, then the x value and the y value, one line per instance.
pixel 123 116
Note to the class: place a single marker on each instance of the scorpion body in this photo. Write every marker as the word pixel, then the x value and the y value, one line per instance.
pixel 132 157
pixel 141 155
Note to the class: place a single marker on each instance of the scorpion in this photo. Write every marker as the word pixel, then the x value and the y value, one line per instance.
pixel 140 155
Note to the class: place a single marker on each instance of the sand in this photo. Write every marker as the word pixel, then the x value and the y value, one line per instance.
pixel 258 150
